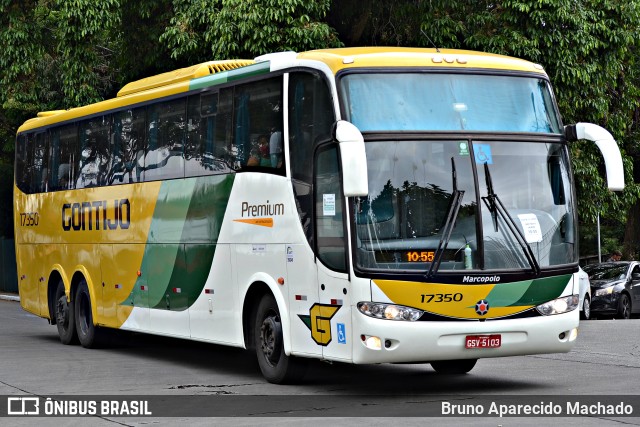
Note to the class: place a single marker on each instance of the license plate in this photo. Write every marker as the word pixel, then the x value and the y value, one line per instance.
pixel 483 341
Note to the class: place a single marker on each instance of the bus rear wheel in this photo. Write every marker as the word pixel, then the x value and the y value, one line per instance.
pixel 276 366
pixel 88 334
pixel 65 316
pixel 455 367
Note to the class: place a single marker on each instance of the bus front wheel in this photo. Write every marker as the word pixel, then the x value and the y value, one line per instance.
pixel 276 366
pixel 455 367
pixel 64 313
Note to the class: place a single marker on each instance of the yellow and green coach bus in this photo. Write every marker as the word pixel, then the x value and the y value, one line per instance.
pixel 361 205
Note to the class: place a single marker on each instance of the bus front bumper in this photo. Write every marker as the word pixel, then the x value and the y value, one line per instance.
pixel 387 341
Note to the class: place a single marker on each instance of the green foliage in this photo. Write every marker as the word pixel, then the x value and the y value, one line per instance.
pixel 6 193
pixel 81 30
pixel 246 28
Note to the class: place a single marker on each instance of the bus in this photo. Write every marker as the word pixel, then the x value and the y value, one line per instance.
pixel 359 205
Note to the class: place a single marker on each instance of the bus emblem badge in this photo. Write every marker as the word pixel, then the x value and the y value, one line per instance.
pixel 482 307
pixel 319 322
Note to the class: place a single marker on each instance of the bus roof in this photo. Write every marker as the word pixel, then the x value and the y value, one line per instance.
pixel 164 84
pixel 183 74
pixel 213 72
pixel 372 57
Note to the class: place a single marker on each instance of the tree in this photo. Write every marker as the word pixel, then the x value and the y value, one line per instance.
pixel 589 50
pixel 225 29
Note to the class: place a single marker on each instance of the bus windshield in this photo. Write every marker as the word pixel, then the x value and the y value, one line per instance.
pixel 448 102
pixel 522 210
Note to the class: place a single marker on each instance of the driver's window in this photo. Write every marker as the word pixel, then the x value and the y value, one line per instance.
pixel 329 210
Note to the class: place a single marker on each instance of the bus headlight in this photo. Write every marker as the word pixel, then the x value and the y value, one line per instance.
pixel 558 306
pixel 389 311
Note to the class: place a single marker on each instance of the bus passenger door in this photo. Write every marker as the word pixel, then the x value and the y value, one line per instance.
pixel 333 315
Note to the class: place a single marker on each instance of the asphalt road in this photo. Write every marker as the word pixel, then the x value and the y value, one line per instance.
pixel 201 379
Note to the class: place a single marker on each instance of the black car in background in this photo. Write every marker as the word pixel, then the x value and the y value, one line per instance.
pixel 615 288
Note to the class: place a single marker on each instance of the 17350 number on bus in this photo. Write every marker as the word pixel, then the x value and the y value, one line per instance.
pixel 441 297
pixel 29 219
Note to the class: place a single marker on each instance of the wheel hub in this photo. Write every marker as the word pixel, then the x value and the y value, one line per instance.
pixel 62 311
pixel 270 339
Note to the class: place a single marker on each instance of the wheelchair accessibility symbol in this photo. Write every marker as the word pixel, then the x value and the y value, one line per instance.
pixel 342 335
pixel 482 153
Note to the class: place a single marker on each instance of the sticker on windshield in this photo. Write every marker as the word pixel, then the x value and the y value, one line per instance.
pixel 482 153
pixel 463 149
pixel 329 204
pixel 531 227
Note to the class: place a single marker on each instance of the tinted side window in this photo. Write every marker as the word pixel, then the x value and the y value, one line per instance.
pixel 329 210
pixel 127 147
pixel 311 117
pixel 203 153
pixel 258 124
pixel 23 180
pixel 93 154
pixel 39 171
pixel 164 157
pixel 61 164
pixel 224 128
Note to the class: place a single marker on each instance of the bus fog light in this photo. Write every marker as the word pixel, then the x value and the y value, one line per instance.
pixel 389 311
pixel 373 343
pixel 573 334
pixel 558 306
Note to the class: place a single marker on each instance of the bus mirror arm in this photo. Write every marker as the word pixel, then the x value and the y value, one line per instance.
pixel 608 147
pixel 353 159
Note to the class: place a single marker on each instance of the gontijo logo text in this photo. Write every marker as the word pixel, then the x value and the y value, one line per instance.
pixel 261 214
pixel 96 215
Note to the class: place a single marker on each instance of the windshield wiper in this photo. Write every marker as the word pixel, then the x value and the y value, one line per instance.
pixel 450 222
pixel 495 206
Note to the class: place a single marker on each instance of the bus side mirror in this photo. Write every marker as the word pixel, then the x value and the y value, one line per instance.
pixel 607 146
pixel 353 158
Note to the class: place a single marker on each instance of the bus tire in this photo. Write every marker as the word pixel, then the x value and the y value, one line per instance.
pixel 275 365
pixel 65 316
pixel 454 367
pixel 88 334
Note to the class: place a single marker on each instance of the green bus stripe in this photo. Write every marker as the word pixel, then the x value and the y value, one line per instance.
pixel 209 199
pixel 231 75
pixel 181 243
pixel 506 294
pixel 163 252
pixel 543 290
pixel 527 292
